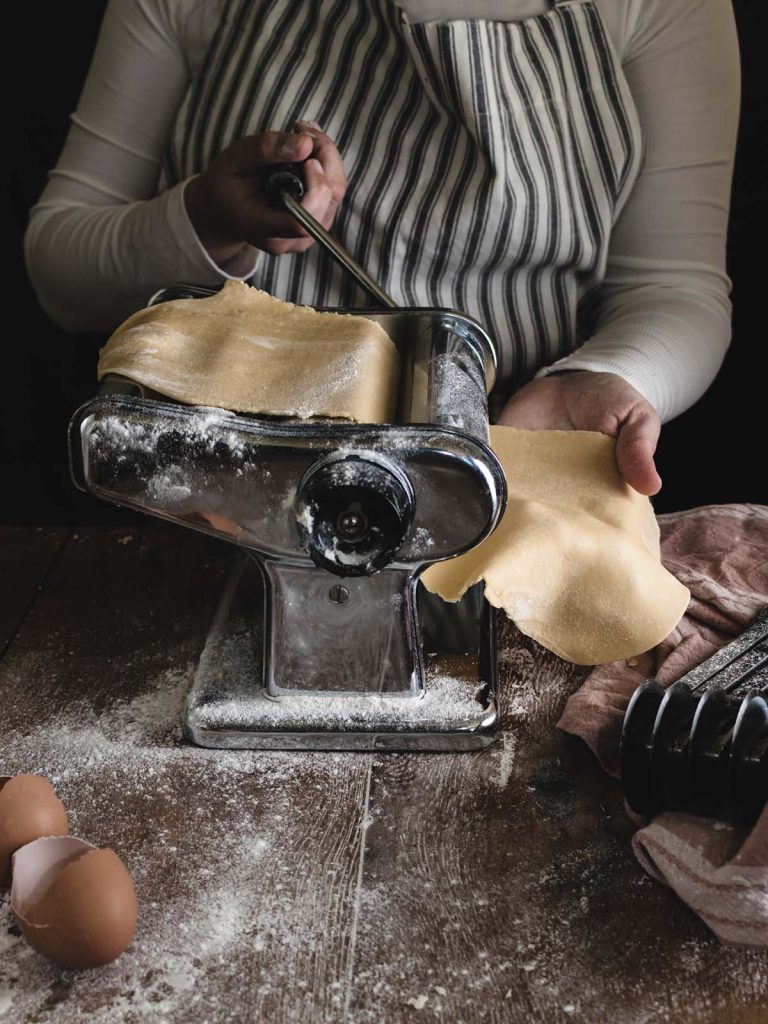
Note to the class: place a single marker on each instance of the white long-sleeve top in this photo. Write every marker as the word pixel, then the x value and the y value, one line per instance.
pixel 100 239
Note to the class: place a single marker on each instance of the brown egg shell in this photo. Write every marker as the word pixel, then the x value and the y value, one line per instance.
pixel 74 903
pixel 29 809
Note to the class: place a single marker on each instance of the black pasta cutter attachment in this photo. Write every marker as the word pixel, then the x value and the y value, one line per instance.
pixel 701 745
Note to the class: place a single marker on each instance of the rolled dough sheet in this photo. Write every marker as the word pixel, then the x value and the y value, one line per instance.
pixel 245 350
pixel 575 560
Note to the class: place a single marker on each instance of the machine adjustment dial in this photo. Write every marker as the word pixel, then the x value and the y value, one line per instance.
pixel 353 512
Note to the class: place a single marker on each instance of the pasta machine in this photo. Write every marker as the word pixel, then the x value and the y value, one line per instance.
pixel 322 639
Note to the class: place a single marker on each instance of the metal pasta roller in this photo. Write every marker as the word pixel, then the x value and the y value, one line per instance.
pixel 321 640
pixel 702 744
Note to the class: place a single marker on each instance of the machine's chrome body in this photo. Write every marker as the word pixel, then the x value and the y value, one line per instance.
pixel 305 637
pixel 230 707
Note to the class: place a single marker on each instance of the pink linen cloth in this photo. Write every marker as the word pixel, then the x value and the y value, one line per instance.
pixel 720 552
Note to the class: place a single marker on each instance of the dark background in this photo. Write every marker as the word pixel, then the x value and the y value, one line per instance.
pixel 714 453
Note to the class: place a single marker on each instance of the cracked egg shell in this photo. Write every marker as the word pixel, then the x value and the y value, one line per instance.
pixel 29 809
pixel 74 903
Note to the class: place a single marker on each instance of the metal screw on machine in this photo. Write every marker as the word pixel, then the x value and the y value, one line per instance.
pixel 352 524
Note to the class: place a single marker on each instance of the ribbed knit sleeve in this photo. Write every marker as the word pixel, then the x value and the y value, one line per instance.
pixel 100 241
pixel 663 320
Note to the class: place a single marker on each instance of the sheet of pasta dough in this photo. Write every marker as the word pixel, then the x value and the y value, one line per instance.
pixel 575 560
pixel 245 350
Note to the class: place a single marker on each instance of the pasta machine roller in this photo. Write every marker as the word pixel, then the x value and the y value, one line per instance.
pixel 702 744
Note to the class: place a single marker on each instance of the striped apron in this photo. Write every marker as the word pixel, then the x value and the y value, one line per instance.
pixel 487 160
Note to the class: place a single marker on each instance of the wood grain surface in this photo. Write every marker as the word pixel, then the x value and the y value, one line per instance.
pixel 26 556
pixel 495 886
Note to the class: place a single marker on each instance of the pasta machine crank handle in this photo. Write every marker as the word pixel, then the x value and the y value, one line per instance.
pixel 284 187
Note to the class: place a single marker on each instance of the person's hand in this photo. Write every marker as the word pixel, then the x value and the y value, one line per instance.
pixel 583 400
pixel 227 204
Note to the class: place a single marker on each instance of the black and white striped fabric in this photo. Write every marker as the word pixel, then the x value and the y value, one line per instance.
pixel 487 160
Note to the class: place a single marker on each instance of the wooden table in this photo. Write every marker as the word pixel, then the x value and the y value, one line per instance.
pixel 289 887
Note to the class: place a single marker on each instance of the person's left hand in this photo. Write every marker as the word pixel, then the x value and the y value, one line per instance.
pixel 605 402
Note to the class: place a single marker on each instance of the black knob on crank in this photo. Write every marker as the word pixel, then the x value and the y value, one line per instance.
pixel 284 178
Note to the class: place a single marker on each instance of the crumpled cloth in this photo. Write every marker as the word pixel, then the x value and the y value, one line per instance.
pixel 720 552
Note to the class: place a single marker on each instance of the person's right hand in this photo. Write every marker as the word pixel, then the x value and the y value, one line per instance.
pixel 227 204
